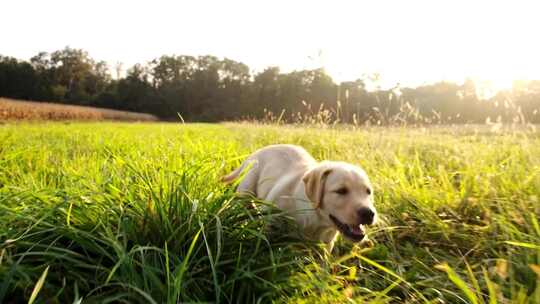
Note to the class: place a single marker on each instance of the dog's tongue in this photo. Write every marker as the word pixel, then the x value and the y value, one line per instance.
pixel 356 229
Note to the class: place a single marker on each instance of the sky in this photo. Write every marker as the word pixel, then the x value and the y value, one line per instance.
pixel 407 42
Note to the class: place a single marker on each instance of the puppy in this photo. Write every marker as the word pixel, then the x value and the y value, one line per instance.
pixel 324 198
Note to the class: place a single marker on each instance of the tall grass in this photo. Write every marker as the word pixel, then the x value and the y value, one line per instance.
pixel 394 111
pixel 135 213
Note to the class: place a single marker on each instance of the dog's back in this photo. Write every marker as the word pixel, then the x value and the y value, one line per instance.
pixel 273 163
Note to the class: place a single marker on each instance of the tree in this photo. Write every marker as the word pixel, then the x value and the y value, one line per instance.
pixel 208 88
pixel 18 79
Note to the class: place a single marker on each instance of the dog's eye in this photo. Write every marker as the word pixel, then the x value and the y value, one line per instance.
pixel 342 191
pixel 368 191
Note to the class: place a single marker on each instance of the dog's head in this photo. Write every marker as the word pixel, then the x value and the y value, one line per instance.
pixel 343 193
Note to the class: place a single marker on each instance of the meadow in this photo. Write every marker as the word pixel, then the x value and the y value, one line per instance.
pixel 135 213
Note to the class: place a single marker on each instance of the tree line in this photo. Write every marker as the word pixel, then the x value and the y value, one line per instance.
pixel 207 88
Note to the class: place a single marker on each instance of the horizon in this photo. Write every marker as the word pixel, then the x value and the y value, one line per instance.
pixel 410 44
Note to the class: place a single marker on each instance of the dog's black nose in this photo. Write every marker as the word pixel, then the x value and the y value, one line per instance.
pixel 366 216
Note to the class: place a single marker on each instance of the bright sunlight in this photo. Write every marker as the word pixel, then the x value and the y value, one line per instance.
pixel 405 42
pixel 209 151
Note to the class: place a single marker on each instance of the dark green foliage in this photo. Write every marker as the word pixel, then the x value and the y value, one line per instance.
pixel 207 88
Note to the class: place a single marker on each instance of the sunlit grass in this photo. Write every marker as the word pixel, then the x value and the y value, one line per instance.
pixel 136 213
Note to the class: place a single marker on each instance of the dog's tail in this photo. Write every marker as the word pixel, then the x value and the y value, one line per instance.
pixel 227 179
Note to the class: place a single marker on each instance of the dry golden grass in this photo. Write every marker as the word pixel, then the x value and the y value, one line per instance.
pixel 11 109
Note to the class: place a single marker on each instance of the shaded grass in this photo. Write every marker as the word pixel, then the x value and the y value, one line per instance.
pixel 135 213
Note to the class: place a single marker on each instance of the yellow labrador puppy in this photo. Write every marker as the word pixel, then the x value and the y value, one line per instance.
pixel 323 197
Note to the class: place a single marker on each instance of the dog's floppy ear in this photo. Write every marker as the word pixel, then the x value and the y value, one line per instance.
pixel 314 181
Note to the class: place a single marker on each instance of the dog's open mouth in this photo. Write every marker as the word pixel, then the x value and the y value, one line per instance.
pixel 353 232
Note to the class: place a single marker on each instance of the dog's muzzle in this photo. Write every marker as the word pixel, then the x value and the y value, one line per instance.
pixel 355 233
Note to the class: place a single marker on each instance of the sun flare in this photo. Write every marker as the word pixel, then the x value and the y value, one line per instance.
pixel 406 42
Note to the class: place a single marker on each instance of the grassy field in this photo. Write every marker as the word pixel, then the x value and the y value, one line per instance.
pixel 12 109
pixel 135 213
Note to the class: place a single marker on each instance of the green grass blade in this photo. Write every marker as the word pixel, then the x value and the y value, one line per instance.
pixel 453 276
pixel 38 286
